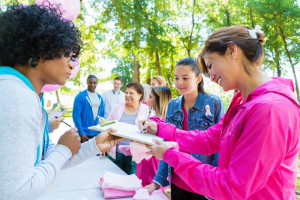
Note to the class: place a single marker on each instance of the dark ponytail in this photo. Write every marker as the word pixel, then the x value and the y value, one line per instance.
pixel 189 61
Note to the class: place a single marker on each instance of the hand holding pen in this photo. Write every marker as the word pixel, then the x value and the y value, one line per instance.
pixel 60 119
pixel 148 126
pixel 143 127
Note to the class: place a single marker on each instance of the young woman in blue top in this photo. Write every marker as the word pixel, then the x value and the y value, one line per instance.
pixel 194 109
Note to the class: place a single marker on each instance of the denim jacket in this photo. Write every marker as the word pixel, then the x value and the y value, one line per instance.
pixel 197 119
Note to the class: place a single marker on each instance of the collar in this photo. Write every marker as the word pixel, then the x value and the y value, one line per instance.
pixel 199 105
pixel 178 105
pixel 11 71
pixel 115 92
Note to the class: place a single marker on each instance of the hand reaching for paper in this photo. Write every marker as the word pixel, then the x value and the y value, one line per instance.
pixel 105 140
pixel 161 147
pixel 148 126
pixel 152 187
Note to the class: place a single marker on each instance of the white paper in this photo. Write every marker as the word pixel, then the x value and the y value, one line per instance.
pixel 55 113
pixel 128 131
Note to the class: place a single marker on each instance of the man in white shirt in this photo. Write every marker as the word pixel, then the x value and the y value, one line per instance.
pixel 113 97
pixel 88 107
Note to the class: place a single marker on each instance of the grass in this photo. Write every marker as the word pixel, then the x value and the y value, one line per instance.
pixel 68 113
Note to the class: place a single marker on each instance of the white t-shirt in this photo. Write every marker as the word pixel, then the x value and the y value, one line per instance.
pixel 111 99
pixel 95 102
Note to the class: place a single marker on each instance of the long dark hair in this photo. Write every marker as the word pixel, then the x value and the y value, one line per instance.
pixel 191 62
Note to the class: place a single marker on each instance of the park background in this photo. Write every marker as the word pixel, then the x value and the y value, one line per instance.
pixel 139 39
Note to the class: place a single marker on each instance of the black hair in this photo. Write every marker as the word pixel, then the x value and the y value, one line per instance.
pixel 189 61
pixel 30 32
pixel 91 76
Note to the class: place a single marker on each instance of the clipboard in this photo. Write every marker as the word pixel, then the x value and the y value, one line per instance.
pixel 56 113
pixel 128 131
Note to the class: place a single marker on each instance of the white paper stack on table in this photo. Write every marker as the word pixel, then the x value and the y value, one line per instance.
pixel 128 131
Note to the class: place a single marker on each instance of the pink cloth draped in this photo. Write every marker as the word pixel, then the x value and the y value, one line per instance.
pixel 143 194
pixel 119 186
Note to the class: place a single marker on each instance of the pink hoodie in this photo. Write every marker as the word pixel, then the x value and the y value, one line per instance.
pixel 146 169
pixel 258 140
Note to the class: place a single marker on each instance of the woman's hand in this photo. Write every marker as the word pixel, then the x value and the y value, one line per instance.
pixel 56 122
pixel 71 140
pixel 152 187
pixel 159 149
pixel 105 140
pixel 148 126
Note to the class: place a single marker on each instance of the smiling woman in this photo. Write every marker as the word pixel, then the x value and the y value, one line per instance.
pixel 130 112
pixel 258 138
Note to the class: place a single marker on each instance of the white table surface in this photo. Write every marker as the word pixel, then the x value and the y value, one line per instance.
pixel 81 182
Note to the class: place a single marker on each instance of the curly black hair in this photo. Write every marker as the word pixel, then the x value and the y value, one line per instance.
pixel 33 32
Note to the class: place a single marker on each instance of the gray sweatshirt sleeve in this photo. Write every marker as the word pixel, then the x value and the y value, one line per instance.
pixel 87 150
pixel 22 123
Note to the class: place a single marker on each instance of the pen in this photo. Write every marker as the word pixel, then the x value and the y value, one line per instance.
pixel 64 122
pixel 144 129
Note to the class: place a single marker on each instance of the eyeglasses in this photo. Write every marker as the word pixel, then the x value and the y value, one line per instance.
pixel 73 62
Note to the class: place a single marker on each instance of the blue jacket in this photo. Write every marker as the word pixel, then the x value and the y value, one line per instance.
pixel 197 119
pixel 83 113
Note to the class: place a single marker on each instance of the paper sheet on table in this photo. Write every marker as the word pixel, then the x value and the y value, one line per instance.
pixel 128 131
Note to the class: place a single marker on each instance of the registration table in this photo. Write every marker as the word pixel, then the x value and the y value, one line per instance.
pixel 81 181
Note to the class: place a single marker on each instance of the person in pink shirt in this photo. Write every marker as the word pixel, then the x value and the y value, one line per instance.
pixel 258 138
pixel 158 99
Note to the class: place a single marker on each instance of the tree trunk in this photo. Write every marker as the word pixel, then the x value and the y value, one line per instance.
pixel 136 66
pixel 171 70
pixel 191 35
pixel 277 59
pixel 251 17
pixel 290 60
pixel 227 17
pixel 57 97
pixel 157 62
pixel 148 79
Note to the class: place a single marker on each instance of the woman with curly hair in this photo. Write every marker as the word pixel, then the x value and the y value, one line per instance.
pixel 37 47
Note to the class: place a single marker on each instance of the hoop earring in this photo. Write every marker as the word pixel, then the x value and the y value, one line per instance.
pixel 31 64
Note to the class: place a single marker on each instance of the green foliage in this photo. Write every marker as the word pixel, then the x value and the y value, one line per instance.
pixel 68 113
pixel 124 69
pixel 154 35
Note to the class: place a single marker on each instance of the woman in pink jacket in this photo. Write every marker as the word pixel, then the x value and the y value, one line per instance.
pixel 158 100
pixel 258 137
